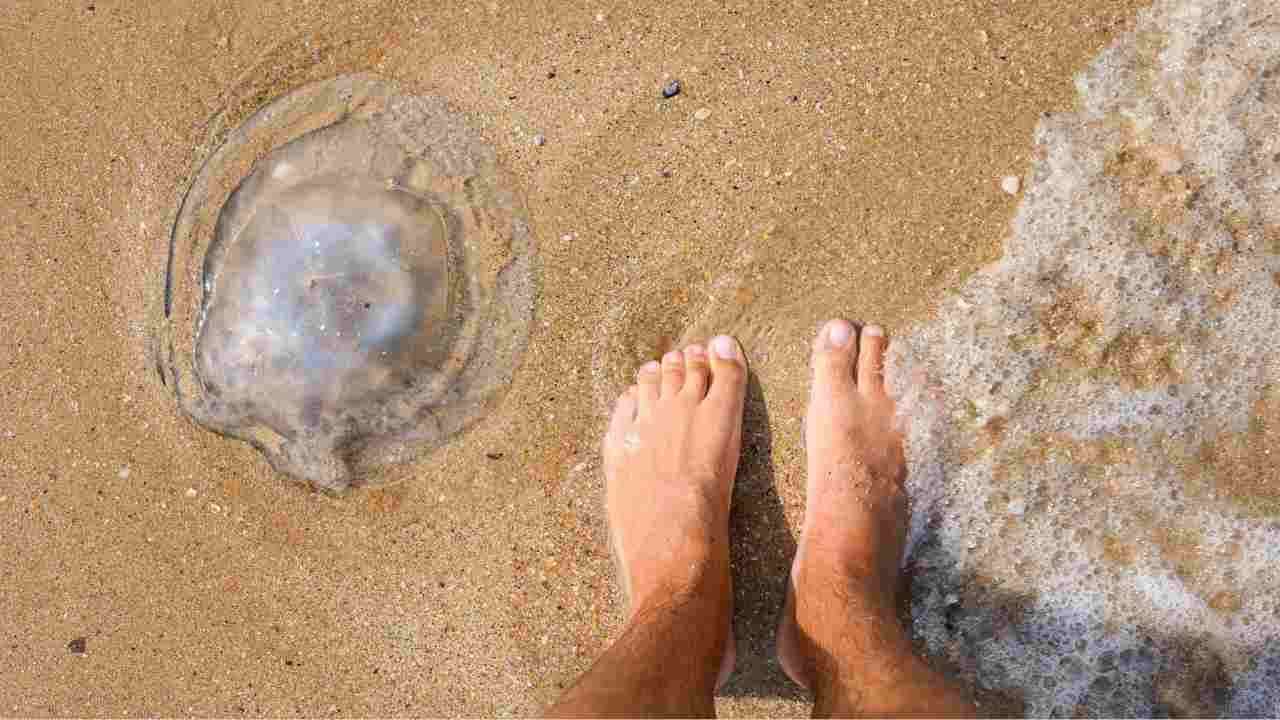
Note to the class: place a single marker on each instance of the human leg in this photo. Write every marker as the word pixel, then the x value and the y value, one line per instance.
pixel 671 453
pixel 840 636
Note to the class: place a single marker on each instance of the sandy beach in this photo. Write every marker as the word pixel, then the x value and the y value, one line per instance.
pixel 821 160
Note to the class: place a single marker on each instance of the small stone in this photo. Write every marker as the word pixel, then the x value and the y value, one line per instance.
pixel 984 36
pixel 78 645
pixel 951 599
pixel 215 508
pixel 539 139
pixel 191 492
pixel 1011 184
pixel 702 114
pixel 1017 507
pixel 124 473
pixel 599 17
pixel 671 89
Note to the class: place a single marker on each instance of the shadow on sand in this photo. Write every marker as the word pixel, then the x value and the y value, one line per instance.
pixel 761 552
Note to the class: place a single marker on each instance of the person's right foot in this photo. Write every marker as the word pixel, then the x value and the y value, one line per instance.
pixel 845 574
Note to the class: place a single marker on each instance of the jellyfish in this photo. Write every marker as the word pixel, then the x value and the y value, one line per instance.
pixel 349 282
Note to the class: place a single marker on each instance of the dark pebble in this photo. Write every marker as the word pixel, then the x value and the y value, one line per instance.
pixel 671 89
pixel 77 646
pixel 494 456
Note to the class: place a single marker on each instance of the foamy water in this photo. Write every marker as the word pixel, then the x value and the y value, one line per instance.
pixel 1096 505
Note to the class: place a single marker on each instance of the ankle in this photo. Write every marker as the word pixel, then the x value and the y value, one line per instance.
pixel 861 662
pixel 700 589
pixel 838 624
pixel 894 684
pixel 692 572
pixel 698 621
pixel 827 576
pixel 844 622
pixel 868 657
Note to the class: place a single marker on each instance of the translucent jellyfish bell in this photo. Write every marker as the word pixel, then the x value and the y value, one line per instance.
pixel 334 296
pixel 364 292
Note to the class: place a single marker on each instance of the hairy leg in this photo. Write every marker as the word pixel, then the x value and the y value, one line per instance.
pixel 671 453
pixel 840 636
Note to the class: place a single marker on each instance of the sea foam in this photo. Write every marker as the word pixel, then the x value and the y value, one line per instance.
pixel 1096 505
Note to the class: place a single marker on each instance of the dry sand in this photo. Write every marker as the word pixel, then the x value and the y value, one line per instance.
pixel 850 164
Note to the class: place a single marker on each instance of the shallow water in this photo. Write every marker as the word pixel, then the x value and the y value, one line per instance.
pixel 1095 414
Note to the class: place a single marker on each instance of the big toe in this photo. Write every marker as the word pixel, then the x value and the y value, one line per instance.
pixel 728 375
pixel 835 355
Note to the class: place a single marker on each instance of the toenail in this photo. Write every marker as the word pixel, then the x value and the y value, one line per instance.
pixel 672 358
pixel 873 331
pixel 650 367
pixel 725 347
pixel 839 332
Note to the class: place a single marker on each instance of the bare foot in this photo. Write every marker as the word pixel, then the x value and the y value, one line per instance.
pixel 671 454
pixel 839 635
pixel 855 508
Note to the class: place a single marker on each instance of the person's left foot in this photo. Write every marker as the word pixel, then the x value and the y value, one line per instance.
pixel 671 454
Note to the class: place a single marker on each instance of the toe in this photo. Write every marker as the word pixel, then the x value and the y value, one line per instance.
pixel 834 353
pixel 697 372
pixel 728 374
pixel 871 345
pixel 624 413
pixel 672 373
pixel 648 382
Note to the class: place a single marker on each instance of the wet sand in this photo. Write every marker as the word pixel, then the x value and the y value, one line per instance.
pixel 849 165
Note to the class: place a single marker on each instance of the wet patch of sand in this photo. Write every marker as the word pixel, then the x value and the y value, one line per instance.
pixel 849 163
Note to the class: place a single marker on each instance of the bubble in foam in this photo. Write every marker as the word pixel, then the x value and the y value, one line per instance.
pixel 1098 409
